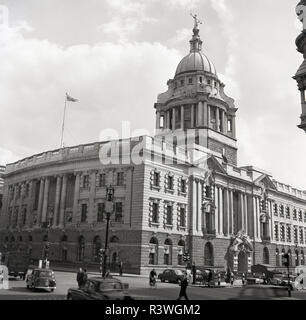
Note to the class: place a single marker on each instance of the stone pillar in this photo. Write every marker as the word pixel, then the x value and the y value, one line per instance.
pixel 76 197
pixel 224 122
pixel 234 126
pixel 168 119
pixel 221 211
pixel 157 120
pixel 57 200
pixel 19 220
pixel 173 118
pixel 246 213
pixel 217 209
pixel 92 193
pixel 182 117
pixel 31 199
pixel 45 202
pixel 192 116
pixel 218 119
pixel 63 202
pixel 199 206
pixel 208 116
pixel 242 210
pixel 258 218
pixel 205 114
pixel 40 200
pixel 254 217
pixel 271 220
pixel 194 205
pixel 232 211
pixel 227 212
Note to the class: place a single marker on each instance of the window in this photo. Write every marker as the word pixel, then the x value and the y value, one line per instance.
pixel 281 211
pixel 101 207
pixel 118 212
pixel 207 192
pixel 85 183
pixel 120 178
pixel 155 212
pixel 282 230
pixel 215 84
pixel 287 212
pixel 296 240
pixel 276 232
pixel 102 180
pixel 182 217
pixel 170 182
pixel 156 176
pixel 300 216
pixel 169 215
pixel 27 190
pixel 190 80
pixel 84 212
pixel 24 217
pixel 208 81
pixel 301 235
pixel 288 233
pixel 162 121
pixel 201 79
pixel 294 214
pixel 182 82
pixel 275 209
pixel 304 217
pixel 183 186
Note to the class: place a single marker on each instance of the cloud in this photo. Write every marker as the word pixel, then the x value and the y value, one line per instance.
pixel 113 82
pixel 185 4
pixel 182 35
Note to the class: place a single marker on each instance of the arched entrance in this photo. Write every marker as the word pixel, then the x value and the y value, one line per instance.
pixel 81 248
pixel 265 258
pixel 153 253
pixel 242 262
pixel 97 245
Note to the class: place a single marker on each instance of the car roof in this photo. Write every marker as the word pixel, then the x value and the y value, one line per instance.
pixel 42 269
pixel 104 279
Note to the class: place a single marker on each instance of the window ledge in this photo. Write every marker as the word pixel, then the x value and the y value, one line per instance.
pixel 183 193
pixel 169 226
pixel 170 190
pixel 154 224
pixel 155 187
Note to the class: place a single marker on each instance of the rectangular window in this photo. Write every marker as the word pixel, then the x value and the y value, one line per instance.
pixel 100 213
pixel 183 186
pixel 169 215
pixel 27 190
pixel 162 121
pixel 201 80
pixel 120 179
pixel 118 212
pixel 182 217
pixel 102 180
pixel 156 176
pixel 207 192
pixel 182 82
pixel 190 80
pixel 170 182
pixel 229 125
pixel 300 216
pixel 155 212
pixel 84 212
pixel 294 214
pixel 275 209
pixel 85 183
pixel 276 232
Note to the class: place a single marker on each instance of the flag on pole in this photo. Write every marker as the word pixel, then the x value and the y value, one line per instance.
pixel 68 98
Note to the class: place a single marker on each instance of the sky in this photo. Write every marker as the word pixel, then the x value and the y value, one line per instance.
pixel 116 56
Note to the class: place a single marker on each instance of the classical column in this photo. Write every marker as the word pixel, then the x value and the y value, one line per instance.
pixel 92 193
pixel 30 201
pixel 234 125
pixel 182 117
pixel 20 205
pixel 242 210
pixel 232 212
pixel 157 120
pixel 224 123
pixel 221 211
pixel 168 119
pixel 199 206
pixel 217 119
pixel 45 202
pixel 40 200
pixel 192 116
pixel 258 218
pixel 63 201
pixel 271 220
pixel 208 115
pixel 205 114
pixel 194 205
pixel 76 197
pixel 217 209
pixel 227 212
pixel 57 200
pixel 246 213
pixel 173 118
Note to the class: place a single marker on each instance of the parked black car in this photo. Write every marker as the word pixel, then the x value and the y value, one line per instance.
pixel 100 289
pixel 171 275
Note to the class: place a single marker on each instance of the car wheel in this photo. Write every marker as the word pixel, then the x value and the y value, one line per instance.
pixel 162 280
pixel 69 297
pixel 28 286
pixel 52 290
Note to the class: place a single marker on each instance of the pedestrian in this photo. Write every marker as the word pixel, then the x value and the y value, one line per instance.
pixel 152 278
pixel 209 278
pixel 232 278
pixel 184 285
pixel 80 277
pixel 120 268
pixel 85 277
pixel 219 279
pixel 193 273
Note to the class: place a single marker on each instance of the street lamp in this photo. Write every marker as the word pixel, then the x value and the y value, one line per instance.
pixel 109 208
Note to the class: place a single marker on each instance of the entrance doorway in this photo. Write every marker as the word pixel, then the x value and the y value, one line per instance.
pixel 242 262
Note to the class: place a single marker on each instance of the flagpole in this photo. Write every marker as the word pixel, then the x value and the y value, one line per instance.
pixel 63 126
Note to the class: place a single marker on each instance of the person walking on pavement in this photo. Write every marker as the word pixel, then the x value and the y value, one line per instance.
pixel 120 268
pixel 80 277
pixel 85 277
pixel 152 278
pixel 184 285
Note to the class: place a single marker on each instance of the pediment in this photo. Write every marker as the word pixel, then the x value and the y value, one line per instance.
pixel 265 181
pixel 210 163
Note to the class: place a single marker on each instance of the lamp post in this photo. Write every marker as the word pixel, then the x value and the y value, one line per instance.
pixel 109 208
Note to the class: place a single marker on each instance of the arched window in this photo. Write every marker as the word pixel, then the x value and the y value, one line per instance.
pixel 153 254
pixel 297 260
pixel 97 245
pixel 181 249
pixel 277 258
pixel 168 252
pixel 81 248
pixel 290 258
pixel 20 239
pixel 208 254
pixel 265 258
pixel 302 258
pixel 114 239
pixel 30 238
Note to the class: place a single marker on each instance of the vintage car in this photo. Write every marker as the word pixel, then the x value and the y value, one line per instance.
pixel 100 289
pixel 171 275
pixel 41 279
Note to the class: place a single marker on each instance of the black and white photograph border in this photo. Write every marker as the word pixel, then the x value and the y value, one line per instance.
pixel 152 150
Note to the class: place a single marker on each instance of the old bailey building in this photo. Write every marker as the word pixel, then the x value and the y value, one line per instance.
pixel 177 192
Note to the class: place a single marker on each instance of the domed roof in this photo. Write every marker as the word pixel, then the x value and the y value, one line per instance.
pixel 195 61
